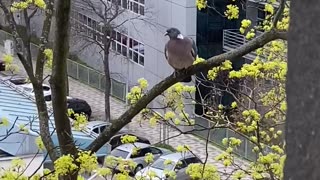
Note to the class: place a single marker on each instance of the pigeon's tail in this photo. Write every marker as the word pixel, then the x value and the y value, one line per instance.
pixel 187 79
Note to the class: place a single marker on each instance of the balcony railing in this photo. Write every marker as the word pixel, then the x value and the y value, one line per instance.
pixel 232 39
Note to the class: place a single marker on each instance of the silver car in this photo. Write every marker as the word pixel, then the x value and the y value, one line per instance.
pixel 126 151
pixel 178 163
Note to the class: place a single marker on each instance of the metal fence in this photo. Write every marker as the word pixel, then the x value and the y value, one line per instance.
pixel 83 73
pixel 232 39
pixel 95 79
pixel 217 135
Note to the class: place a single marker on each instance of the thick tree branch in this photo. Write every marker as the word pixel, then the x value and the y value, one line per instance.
pixel 215 61
pixel 59 76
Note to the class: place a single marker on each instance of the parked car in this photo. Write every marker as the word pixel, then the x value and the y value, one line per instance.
pixel 28 87
pixel 97 127
pixel 18 80
pixel 2 66
pixel 79 106
pixel 126 151
pixel 115 141
pixel 178 163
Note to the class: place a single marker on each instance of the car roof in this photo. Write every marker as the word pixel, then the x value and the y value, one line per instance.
pixel 93 124
pixel 177 156
pixel 129 147
pixel 29 85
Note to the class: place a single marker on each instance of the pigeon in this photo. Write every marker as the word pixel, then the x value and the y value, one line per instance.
pixel 180 51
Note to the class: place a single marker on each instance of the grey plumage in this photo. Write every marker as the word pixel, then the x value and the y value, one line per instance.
pixel 180 51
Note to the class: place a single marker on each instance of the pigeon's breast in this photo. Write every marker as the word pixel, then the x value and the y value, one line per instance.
pixel 179 54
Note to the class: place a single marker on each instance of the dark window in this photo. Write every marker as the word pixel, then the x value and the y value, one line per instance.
pixel 45 88
pixel 135 7
pixel 124 40
pixel 96 130
pixel 102 128
pixel 125 4
pixel 124 50
pixel 118 37
pixel 142 10
pixel 192 160
pixel 47 98
pixel 113 45
pixel 141 153
pixel 181 164
pixel 261 16
pixel 135 57
pixel 118 48
pixel 141 60
pixel 155 150
pixel 130 54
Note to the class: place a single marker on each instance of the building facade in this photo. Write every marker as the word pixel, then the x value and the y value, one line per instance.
pixel 138 47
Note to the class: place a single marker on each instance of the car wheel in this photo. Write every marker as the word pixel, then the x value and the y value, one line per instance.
pixel 138 168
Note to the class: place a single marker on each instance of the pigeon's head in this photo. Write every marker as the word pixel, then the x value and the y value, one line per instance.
pixel 174 33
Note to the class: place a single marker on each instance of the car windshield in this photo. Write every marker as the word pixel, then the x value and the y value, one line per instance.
pixel 27 89
pixel 119 153
pixel 160 164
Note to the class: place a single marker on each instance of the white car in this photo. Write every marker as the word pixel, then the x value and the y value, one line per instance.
pixel 126 151
pixel 177 162
pixel 28 87
pixel 97 127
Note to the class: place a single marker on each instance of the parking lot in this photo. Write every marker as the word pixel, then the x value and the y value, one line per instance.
pixel 142 128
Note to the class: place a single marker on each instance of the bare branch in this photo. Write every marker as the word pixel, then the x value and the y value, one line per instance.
pixel 279 13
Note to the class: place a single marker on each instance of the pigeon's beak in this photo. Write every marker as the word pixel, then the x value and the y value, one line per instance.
pixel 166 34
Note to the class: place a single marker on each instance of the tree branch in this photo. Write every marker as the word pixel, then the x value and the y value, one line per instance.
pixel 279 13
pixel 215 61
pixel 58 80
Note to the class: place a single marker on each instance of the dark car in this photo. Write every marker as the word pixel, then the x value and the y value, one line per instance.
pixel 2 66
pixel 18 80
pixel 115 141
pixel 77 105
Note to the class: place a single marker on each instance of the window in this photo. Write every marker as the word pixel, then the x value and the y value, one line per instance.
pixel 121 43
pixel 119 153
pixel 96 130
pixel 181 164
pixel 155 150
pixel 160 164
pixel 137 6
pixel 261 16
pixel 141 153
pixel 136 51
pixel 192 160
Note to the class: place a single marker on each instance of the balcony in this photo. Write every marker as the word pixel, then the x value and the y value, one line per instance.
pixel 232 39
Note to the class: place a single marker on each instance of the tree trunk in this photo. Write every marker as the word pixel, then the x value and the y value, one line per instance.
pixel 303 92
pixel 44 121
pixel 58 82
pixel 106 43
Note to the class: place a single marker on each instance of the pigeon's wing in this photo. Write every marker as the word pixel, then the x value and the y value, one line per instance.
pixel 194 50
pixel 166 51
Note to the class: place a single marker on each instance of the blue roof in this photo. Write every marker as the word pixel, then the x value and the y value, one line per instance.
pixel 21 110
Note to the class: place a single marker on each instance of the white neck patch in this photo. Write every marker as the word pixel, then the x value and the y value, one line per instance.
pixel 180 36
